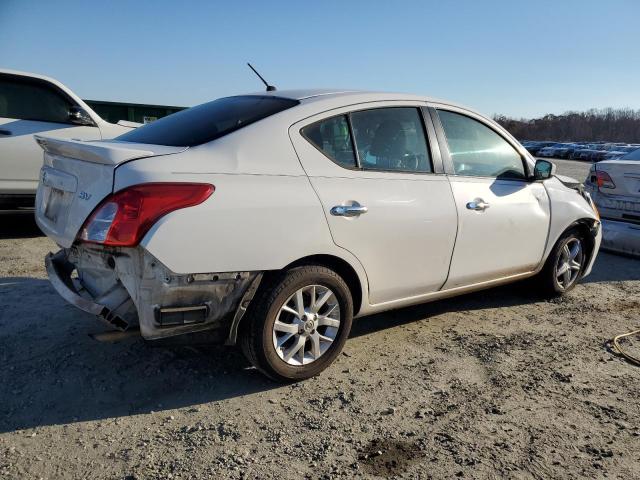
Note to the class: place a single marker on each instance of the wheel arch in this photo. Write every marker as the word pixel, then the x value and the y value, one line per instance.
pixel 586 227
pixel 342 268
pixel 357 286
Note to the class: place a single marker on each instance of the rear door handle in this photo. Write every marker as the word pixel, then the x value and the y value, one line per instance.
pixel 478 205
pixel 5 132
pixel 349 210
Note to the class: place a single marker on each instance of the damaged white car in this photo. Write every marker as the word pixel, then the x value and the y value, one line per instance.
pixel 273 219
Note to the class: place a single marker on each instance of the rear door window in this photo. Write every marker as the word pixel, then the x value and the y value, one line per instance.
pixel 384 139
pixel 331 137
pixel 209 121
pixel 32 99
pixel 391 139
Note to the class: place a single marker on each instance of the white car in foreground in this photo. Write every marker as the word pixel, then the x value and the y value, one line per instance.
pixel 615 188
pixel 33 104
pixel 303 209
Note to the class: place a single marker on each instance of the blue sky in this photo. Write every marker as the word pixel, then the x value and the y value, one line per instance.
pixel 521 58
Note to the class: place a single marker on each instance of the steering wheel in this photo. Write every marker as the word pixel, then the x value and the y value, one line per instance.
pixel 408 161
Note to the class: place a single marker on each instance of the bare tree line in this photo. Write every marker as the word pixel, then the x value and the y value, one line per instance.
pixel 607 124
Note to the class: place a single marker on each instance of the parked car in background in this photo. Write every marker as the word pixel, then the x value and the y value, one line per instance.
pixel 618 152
pixel 602 150
pixel 558 150
pixel 575 155
pixel 33 104
pixel 549 151
pixel 303 209
pixel 614 186
pixel 566 150
pixel 589 154
pixel 534 147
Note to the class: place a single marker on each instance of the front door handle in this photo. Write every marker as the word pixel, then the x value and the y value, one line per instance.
pixel 349 210
pixel 478 205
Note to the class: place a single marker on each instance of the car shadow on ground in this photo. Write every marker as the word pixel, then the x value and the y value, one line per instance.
pixel 520 293
pixel 18 224
pixel 54 372
pixel 608 268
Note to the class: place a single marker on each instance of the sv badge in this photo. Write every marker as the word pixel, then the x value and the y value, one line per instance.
pixel 84 196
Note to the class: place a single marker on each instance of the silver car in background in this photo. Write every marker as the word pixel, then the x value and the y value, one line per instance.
pixel 615 188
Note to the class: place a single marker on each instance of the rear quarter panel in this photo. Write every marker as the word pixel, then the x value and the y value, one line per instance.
pixel 251 222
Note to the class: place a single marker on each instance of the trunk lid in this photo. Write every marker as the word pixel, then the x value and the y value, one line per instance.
pixel 76 176
pixel 625 175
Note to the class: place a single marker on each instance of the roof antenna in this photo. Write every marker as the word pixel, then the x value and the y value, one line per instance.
pixel 270 88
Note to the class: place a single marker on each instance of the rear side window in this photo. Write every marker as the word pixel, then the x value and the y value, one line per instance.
pixel 331 137
pixel 478 151
pixel 386 139
pixel 206 122
pixel 32 99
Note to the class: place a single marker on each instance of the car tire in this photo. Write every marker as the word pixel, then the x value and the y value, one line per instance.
pixel 569 253
pixel 268 332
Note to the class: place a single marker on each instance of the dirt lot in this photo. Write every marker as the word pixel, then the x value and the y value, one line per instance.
pixel 498 384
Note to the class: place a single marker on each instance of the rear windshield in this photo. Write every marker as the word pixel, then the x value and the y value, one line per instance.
pixel 635 155
pixel 208 121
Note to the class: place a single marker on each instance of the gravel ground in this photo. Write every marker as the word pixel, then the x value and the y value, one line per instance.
pixel 497 384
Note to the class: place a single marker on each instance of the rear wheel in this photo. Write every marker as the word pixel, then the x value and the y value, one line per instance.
pixel 565 264
pixel 298 323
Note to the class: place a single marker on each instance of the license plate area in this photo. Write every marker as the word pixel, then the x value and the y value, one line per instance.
pixel 53 204
pixel 57 190
pixel 628 206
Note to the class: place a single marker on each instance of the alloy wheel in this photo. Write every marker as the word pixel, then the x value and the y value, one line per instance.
pixel 306 325
pixel 569 263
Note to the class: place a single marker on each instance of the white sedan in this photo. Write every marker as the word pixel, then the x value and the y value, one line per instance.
pixel 615 188
pixel 274 219
pixel 31 105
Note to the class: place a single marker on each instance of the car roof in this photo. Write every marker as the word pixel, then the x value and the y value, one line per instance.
pixel 320 94
pixel 33 75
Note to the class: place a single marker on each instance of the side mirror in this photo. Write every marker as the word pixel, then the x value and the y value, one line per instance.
pixel 79 116
pixel 543 170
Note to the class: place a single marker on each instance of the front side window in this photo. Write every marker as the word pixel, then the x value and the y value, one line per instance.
pixel 209 121
pixel 331 137
pixel 391 139
pixel 476 150
pixel 32 99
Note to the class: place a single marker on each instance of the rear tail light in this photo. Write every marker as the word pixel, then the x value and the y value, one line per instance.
pixel 604 180
pixel 123 218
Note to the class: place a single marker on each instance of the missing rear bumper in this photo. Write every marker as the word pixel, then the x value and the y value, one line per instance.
pixel 127 286
pixel 59 270
pixel 172 316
